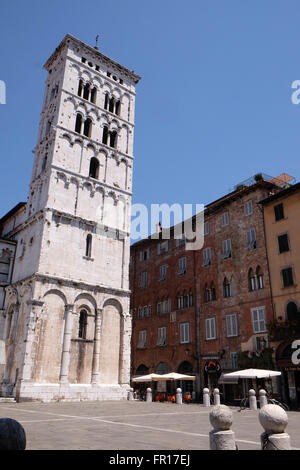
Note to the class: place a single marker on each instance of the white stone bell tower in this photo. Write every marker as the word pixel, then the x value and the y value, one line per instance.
pixel 68 335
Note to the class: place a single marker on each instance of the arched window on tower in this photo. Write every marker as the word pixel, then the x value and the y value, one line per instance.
pixel 88 246
pixel 94 95
pixel 118 106
pixel 106 101
pixel 105 135
pixel 94 168
pixel 80 88
pixel 87 131
pixel 111 105
pixel 82 324
pixel 86 91
pixel 78 123
pixel 113 139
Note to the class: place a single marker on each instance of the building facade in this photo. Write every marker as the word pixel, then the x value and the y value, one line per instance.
pixel 222 296
pixel 68 298
pixel 282 226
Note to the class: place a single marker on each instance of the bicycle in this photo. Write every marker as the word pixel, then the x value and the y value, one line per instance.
pixel 273 401
pixel 244 403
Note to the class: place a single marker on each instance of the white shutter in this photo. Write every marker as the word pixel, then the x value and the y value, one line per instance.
pixel 258 319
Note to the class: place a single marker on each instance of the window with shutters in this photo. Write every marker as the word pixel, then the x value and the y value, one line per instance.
pixel 226 248
pixel 163 272
pixel 142 339
pixel 144 279
pixel 278 211
pixel 206 228
pixel 162 336
pixel 251 239
pixel 207 256
pixel 287 277
pixel 225 219
pixel 283 243
pixel 144 254
pixel 185 332
pixel 162 247
pixel 210 328
pixel 163 306
pixel 182 265
pixel 181 241
pixel 248 208
pixel 231 325
pixel 258 319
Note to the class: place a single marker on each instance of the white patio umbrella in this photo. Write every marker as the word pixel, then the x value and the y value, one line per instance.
pixel 157 377
pixel 145 378
pixel 252 374
pixel 176 376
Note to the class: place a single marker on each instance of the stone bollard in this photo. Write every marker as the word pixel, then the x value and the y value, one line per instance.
pixel 252 400
pixel 12 435
pixel 262 398
pixel 216 397
pixel 221 437
pixel 149 395
pixel 274 420
pixel 206 397
pixel 130 394
pixel 179 396
pixel 193 396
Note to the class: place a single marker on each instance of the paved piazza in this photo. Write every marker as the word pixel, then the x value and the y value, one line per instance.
pixel 131 425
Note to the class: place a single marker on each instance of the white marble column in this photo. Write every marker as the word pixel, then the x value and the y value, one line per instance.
pixel 65 358
pixel 96 352
pixel 34 309
pixel 125 349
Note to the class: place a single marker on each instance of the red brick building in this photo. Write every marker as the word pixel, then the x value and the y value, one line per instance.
pixel 205 312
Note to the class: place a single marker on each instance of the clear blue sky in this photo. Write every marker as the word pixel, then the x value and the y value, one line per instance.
pixel 214 103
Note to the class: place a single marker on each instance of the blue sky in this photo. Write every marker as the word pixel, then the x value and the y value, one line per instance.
pixel 213 106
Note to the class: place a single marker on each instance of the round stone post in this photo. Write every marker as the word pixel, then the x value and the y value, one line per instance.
pixel 274 420
pixel 149 395
pixel 216 396
pixel 206 399
pixel 12 435
pixel 221 437
pixel 252 400
pixel 262 398
pixel 179 396
pixel 130 394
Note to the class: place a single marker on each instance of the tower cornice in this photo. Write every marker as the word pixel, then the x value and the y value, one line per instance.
pixel 68 39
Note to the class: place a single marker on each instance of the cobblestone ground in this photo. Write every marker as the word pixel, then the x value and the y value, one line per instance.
pixel 131 425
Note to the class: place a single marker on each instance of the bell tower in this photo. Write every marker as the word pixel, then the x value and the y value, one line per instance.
pixel 74 307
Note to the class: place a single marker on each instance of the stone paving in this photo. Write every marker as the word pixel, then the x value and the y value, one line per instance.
pixel 131 425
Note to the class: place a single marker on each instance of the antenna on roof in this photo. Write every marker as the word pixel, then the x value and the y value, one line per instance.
pixel 96 47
